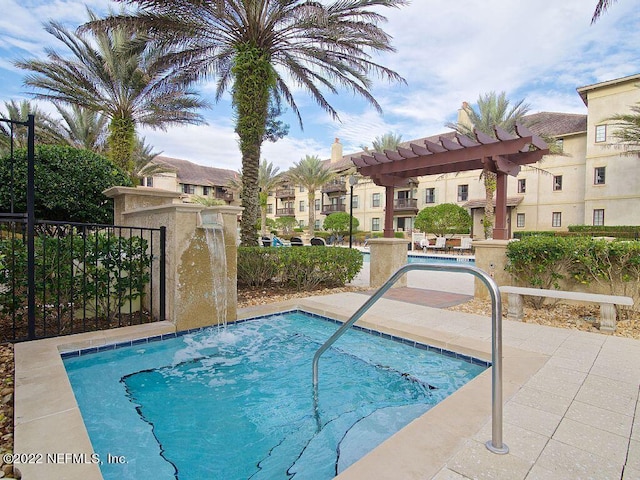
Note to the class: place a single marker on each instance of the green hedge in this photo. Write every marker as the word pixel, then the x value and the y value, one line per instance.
pixel 618 231
pixel 301 268
pixel 544 262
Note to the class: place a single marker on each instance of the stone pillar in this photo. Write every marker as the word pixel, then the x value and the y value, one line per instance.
pixel 189 279
pixel 387 256
pixel 491 257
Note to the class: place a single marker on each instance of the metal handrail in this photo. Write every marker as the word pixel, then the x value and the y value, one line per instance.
pixel 495 445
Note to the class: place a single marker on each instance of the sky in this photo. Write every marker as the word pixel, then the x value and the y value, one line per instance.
pixel 447 51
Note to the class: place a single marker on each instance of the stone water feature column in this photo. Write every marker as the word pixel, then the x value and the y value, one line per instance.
pixel 189 277
pixel 387 256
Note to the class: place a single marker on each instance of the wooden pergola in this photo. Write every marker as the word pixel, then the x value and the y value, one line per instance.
pixel 503 155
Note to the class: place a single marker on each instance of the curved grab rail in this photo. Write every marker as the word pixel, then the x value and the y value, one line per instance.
pixel 495 445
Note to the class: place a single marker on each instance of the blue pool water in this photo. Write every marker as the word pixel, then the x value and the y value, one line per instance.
pixel 366 256
pixel 237 403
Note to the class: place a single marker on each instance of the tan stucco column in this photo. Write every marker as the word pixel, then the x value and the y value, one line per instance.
pixel 387 256
pixel 189 277
pixel 491 256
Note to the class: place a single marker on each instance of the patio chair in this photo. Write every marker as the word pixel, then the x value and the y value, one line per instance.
pixel 318 242
pixel 465 245
pixel 424 244
pixel 441 244
pixel 296 242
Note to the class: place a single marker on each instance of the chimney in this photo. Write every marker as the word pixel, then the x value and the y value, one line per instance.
pixel 463 116
pixel 336 151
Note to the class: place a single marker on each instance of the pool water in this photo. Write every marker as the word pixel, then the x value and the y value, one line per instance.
pixel 468 260
pixel 237 403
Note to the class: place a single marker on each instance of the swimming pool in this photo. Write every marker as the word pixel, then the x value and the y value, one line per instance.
pixel 366 257
pixel 251 409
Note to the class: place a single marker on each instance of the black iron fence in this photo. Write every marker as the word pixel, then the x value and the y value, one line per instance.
pixel 85 277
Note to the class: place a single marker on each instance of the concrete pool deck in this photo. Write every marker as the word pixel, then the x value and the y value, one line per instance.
pixel 571 404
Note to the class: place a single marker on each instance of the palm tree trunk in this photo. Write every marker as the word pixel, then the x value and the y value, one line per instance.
pixel 122 134
pixel 312 212
pixel 489 189
pixel 253 79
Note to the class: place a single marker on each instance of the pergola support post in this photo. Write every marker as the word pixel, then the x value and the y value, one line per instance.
pixel 500 230
pixel 389 192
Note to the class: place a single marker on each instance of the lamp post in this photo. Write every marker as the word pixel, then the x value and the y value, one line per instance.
pixel 353 181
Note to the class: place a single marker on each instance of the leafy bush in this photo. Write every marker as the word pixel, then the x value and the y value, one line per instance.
pixel 544 262
pixel 541 233
pixel 338 222
pixel 444 219
pixel 300 268
pixel 68 181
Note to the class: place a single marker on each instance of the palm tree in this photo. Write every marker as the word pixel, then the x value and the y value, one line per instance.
pixel 117 73
pixel 268 180
pixel 492 109
pixel 311 173
pixel 47 130
pixel 84 128
pixel 601 7
pixel 253 48
pixel 387 141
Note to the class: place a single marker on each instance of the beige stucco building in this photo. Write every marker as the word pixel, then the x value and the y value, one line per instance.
pixel 594 181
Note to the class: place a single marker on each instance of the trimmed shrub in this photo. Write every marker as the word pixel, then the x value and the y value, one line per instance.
pixel 300 268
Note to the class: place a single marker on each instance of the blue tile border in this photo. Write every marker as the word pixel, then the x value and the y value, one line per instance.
pixel 166 336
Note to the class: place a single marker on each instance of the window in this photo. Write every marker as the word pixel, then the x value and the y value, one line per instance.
pixel 598 216
pixel 354 201
pixel 186 188
pixel 375 201
pixel 463 193
pixel 522 185
pixel 149 181
pixel 301 189
pixel 557 183
pixel 269 207
pixel 556 219
pixel 598 176
pixel 520 220
pixel 317 225
pixel 301 223
pixel 317 204
pixel 601 133
pixel 206 191
pixel 560 145
pixel 375 224
pixel 430 195
pixel 302 205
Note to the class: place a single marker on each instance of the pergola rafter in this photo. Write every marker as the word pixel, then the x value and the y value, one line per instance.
pixel 503 155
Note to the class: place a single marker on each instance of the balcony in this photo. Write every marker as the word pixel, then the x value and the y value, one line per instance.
pixel 332 208
pixel 405 205
pixel 335 186
pixel 285 212
pixel 286 193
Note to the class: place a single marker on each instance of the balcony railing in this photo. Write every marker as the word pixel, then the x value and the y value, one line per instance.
pixel 285 212
pixel 333 207
pixel 335 186
pixel 405 204
pixel 285 193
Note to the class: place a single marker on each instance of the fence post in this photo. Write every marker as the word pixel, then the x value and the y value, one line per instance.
pixel 163 272
pixel 31 220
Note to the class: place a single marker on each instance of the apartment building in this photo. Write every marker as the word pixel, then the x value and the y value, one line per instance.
pixel 594 181
pixel 192 180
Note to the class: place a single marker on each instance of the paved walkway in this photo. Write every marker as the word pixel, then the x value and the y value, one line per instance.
pixel 424 297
